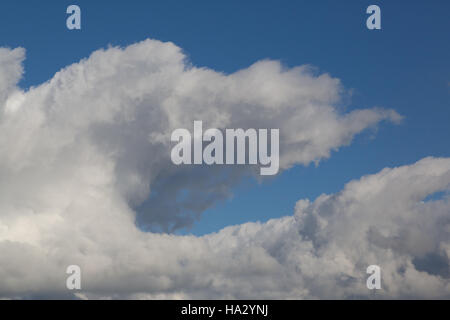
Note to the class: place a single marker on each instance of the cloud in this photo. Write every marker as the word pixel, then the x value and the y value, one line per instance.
pixel 103 126
pixel 321 251
pixel 12 70
pixel 87 153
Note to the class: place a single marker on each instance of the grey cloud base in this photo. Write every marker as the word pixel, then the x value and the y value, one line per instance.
pixel 83 156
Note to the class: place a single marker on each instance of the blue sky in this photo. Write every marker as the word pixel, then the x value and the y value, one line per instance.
pixel 405 66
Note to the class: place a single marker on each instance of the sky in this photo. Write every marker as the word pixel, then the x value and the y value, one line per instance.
pixel 404 69
pixel 403 66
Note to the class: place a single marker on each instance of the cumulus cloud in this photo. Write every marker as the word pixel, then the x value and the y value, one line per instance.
pixel 87 153
pixel 322 251
pixel 103 125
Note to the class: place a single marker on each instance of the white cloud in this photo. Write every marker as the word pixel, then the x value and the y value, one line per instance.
pixel 82 151
pixel 321 251
pixel 103 125
pixel 12 70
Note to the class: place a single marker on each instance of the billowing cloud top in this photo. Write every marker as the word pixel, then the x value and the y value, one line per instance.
pixel 87 153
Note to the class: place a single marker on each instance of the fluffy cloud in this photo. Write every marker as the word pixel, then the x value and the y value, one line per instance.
pixel 103 126
pixel 87 153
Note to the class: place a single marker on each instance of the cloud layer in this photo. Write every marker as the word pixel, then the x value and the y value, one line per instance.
pixel 87 153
